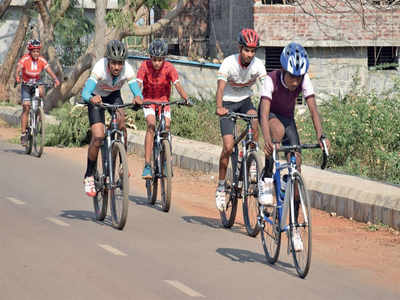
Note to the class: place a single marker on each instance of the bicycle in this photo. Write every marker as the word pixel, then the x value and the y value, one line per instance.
pixel 287 214
pixel 111 177
pixel 161 162
pixel 35 129
pixel 241 179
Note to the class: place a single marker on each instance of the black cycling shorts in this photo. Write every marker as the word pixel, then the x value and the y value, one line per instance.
pixel 242 107
pixel 96 114
pixel 291 136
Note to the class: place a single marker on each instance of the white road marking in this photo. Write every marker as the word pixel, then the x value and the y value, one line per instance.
pixel 16 201
pixel 184 289
pixel 112 250
pixel 56 221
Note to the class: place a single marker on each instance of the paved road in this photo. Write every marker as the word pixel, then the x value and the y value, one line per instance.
pixel 51 248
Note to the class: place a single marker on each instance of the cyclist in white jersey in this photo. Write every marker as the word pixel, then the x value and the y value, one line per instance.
pixel 236 75
pixel 104 85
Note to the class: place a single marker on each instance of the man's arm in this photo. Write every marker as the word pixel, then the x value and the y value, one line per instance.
pixel 265 105
pixel 136 91
pixel 312 106
pixel 51 73
pixel 181 91
pixel 220 93
pixel 18 73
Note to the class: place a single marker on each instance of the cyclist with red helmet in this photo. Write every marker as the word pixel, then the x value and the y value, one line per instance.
pixel 237 74
pixel 276 113
pixel 31 66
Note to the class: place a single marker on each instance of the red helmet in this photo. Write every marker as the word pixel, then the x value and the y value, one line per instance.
pixel 249 38
pixel 34 44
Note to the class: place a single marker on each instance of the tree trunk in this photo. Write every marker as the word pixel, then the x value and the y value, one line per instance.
pixel 3 7
pixel 100 28
pixel 13 53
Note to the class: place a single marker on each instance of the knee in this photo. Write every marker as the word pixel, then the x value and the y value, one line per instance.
pixel 227 150
pixel 151 128
pixel 97 140
pixel 25 108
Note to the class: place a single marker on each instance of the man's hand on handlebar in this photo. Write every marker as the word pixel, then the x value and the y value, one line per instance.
pixel 137 100
pixel 56 83
pixel 95 99
pixel 221 111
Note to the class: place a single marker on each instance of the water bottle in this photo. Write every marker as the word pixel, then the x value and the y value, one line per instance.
pixel 35 103
pixel 283 186
pixel 240 158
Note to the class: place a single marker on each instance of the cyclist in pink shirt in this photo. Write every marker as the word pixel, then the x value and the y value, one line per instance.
pixel 156 76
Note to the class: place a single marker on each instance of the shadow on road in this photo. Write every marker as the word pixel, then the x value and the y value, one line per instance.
pixel 17 151
pixel 214 223
pixel 84 215
pixel 246 256
pixel 143 201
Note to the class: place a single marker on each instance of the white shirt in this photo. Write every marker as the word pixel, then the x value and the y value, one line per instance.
pixel 104 80
pixel 239 78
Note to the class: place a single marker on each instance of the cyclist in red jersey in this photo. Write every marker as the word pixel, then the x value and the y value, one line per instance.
pixel 31 66
pixel 155 77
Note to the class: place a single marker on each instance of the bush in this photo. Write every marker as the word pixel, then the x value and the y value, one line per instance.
pixel 73 129
pixel 364 131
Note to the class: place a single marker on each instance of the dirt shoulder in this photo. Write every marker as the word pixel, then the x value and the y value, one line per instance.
pixel 336 240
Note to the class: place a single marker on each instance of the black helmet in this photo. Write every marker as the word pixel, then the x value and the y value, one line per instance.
pixel 116 50
pixel 158 48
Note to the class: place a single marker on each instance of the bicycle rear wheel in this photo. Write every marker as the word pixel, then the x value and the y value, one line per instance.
pixel 250 194
pixel 270 233
pixel 119 192
pixel 152 184
pixel 166 175
pixel 302 216
pixel 38 133
pixel 228 215
pixel 100 201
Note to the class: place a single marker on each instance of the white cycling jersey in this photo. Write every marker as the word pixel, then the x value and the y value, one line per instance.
pixel 240 78
pixel 105 84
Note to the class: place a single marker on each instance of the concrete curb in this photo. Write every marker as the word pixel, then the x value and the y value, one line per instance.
pixel 348 196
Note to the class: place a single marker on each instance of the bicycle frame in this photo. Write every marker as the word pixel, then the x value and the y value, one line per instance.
pixel 246 141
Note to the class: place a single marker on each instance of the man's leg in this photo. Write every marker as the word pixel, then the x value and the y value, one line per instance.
pixel 148 145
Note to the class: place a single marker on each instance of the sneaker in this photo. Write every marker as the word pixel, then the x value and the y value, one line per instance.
pixel 297 242
pixel 147 172
pixel 265 196
pixel 24 139
pixel 220 200
pixel 253 173
pixel 89 186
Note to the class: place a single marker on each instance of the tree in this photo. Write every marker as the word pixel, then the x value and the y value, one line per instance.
pixel 120 24
pixel 14 51
pixel 4 6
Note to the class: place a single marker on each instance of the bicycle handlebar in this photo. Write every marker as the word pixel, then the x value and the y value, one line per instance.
pixel 179 102
pixel 239 116
pixel 290 148
pixel 34 84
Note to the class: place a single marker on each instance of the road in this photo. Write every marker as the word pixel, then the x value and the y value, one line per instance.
pixel 52 248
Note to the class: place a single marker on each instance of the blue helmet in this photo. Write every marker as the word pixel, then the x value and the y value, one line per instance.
pixel 294 59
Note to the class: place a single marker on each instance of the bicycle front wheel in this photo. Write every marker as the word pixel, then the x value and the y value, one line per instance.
pixel 250 195
pixel 28 145
pixel 100 201
pixel 270 232
pixel 152 184
pixel 38 133
pixel 119 190
pixel 300 230
pixel 166 176
pixel 228 215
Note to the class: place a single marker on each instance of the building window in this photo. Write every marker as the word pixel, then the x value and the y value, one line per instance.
pixel 173 49
pixel 290 2
pixel 273 62
pixel 383 58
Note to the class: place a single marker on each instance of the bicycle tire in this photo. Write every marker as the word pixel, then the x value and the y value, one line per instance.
pixel 270 233
pixel 228 215
pixel 302 259
pixel 39 133
pixel 152 184
pixel 250 196
pixel 119 193
pixel 28 146
pixel 166 175
pixel 100 201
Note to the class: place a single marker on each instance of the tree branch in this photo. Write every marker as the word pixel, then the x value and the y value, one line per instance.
pixel 3 7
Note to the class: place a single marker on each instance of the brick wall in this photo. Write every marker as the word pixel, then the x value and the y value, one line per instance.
pixel 279 24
